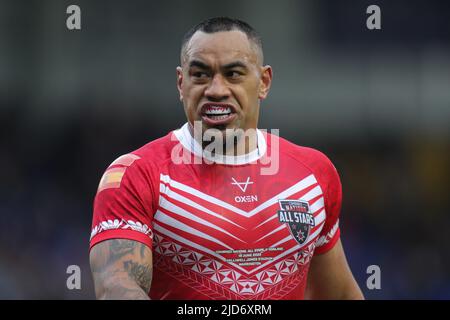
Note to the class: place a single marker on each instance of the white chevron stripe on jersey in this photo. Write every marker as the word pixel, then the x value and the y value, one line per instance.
pixel 320 217
pixel 169 206
pixel 317 205
pixel 164 218
pixel 311 194
pixel 199 194
pixel 172 235
pixel 299 186
pixel 173 195
pixel 289 237
pixel 281 227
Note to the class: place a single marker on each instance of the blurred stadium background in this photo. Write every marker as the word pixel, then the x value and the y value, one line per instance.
pixel 376 102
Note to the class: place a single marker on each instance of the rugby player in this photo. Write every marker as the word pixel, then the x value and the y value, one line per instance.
pixel 176 220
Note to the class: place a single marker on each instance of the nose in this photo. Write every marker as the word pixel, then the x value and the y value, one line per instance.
pixel 217 89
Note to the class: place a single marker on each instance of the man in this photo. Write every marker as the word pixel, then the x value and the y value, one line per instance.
pixel 176 220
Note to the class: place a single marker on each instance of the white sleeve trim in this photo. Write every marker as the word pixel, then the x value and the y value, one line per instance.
pixel 323 240
pixel 124 224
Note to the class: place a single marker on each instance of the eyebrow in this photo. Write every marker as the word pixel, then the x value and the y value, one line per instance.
pixel 199 64
pixel 231 65
pixel 235 64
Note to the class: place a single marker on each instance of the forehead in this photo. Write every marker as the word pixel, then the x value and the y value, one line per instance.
pixel 220 47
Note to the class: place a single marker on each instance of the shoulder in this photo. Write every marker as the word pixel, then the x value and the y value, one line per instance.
pixel 152 154
pixel 312 158
pixel 140 164
pixel 315 161
pixel 156 151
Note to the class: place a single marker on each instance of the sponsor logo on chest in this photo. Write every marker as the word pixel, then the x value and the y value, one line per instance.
pixel 243 187
pixel 241 199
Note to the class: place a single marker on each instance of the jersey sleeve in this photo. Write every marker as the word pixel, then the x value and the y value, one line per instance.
pixel 124 203
pixel 333 201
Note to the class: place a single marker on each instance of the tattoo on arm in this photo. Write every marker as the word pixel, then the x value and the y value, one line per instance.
pixel 141 273
pixel 120 271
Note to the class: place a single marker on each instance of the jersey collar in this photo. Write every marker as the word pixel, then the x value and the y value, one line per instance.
pixel 184 136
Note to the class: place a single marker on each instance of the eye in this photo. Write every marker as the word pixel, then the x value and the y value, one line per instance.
pixel 200 74
pixel 233 74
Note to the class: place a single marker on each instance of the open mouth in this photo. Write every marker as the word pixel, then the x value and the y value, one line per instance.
pixel 217 114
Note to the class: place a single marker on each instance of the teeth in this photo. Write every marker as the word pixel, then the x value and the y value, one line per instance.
pixel 215 110
pixel 218 117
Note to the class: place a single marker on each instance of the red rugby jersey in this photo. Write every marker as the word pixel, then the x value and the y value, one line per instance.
pixel 222 229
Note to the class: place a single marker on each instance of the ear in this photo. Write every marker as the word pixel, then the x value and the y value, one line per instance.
pixel 180 82
pixel 265 82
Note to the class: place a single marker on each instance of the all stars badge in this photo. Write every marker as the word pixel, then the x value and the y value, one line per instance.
pixel 298 217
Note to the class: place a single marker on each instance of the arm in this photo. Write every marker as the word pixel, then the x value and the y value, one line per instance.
pixel 330 277
pixel 122 269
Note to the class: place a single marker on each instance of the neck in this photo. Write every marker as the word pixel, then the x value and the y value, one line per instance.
pixel 227 142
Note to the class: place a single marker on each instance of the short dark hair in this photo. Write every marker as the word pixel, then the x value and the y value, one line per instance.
pixel 218 24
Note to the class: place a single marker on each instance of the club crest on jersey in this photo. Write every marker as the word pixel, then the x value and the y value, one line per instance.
pixel 298 217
